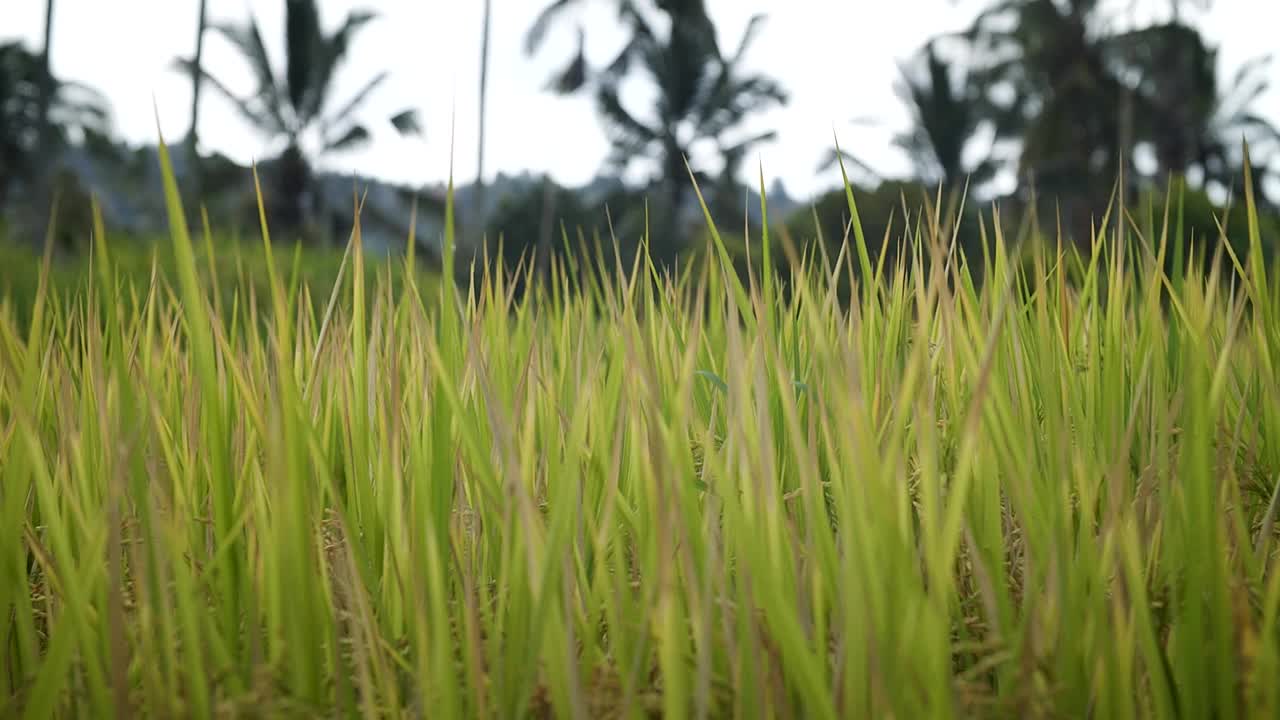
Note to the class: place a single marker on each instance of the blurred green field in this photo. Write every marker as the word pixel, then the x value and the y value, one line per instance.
pixel 231 271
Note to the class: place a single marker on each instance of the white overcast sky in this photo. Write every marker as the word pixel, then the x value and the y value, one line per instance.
pixel 836 57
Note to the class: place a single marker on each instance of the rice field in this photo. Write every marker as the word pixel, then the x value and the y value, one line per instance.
pixel 1036 482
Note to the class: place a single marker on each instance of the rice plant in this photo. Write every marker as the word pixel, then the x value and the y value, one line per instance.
pixel 693 494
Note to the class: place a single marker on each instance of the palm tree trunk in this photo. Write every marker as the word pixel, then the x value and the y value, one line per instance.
pixel 46 82
pixel 44 174
pixel 484 92
pixel 294 178
pixel 193 157
pixel 675 181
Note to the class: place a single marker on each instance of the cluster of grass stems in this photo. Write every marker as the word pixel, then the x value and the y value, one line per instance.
pixel 685 495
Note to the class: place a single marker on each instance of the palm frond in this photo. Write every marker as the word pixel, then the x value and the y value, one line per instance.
pixel 641 42
pixel 355 136
pixel 406 122
pixel 303 42
pixel 1251 82
pixel 1251 67
pixel 84 99
pixel 754 26
pixel 736 153
pixel 538 31
pixel 739 98
pixel 332 54
pixel 340 42
pixel 620 119
pixel 346 111
pixel 257 116
pixel 573 77
pixel 248 40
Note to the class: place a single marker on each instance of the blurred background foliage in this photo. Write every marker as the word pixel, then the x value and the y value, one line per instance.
pixel 1055 93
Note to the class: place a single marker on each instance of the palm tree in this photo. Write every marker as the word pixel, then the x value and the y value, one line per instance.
pixel 1196 123
pixel 1062 84
pixel 1048 83
pixel 47 86
pixel 294 106
pixel 946 114
pixel 702 97
pixel 947 111
pixel 39 115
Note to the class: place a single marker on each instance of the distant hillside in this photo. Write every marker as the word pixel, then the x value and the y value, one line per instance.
pixel 128 186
